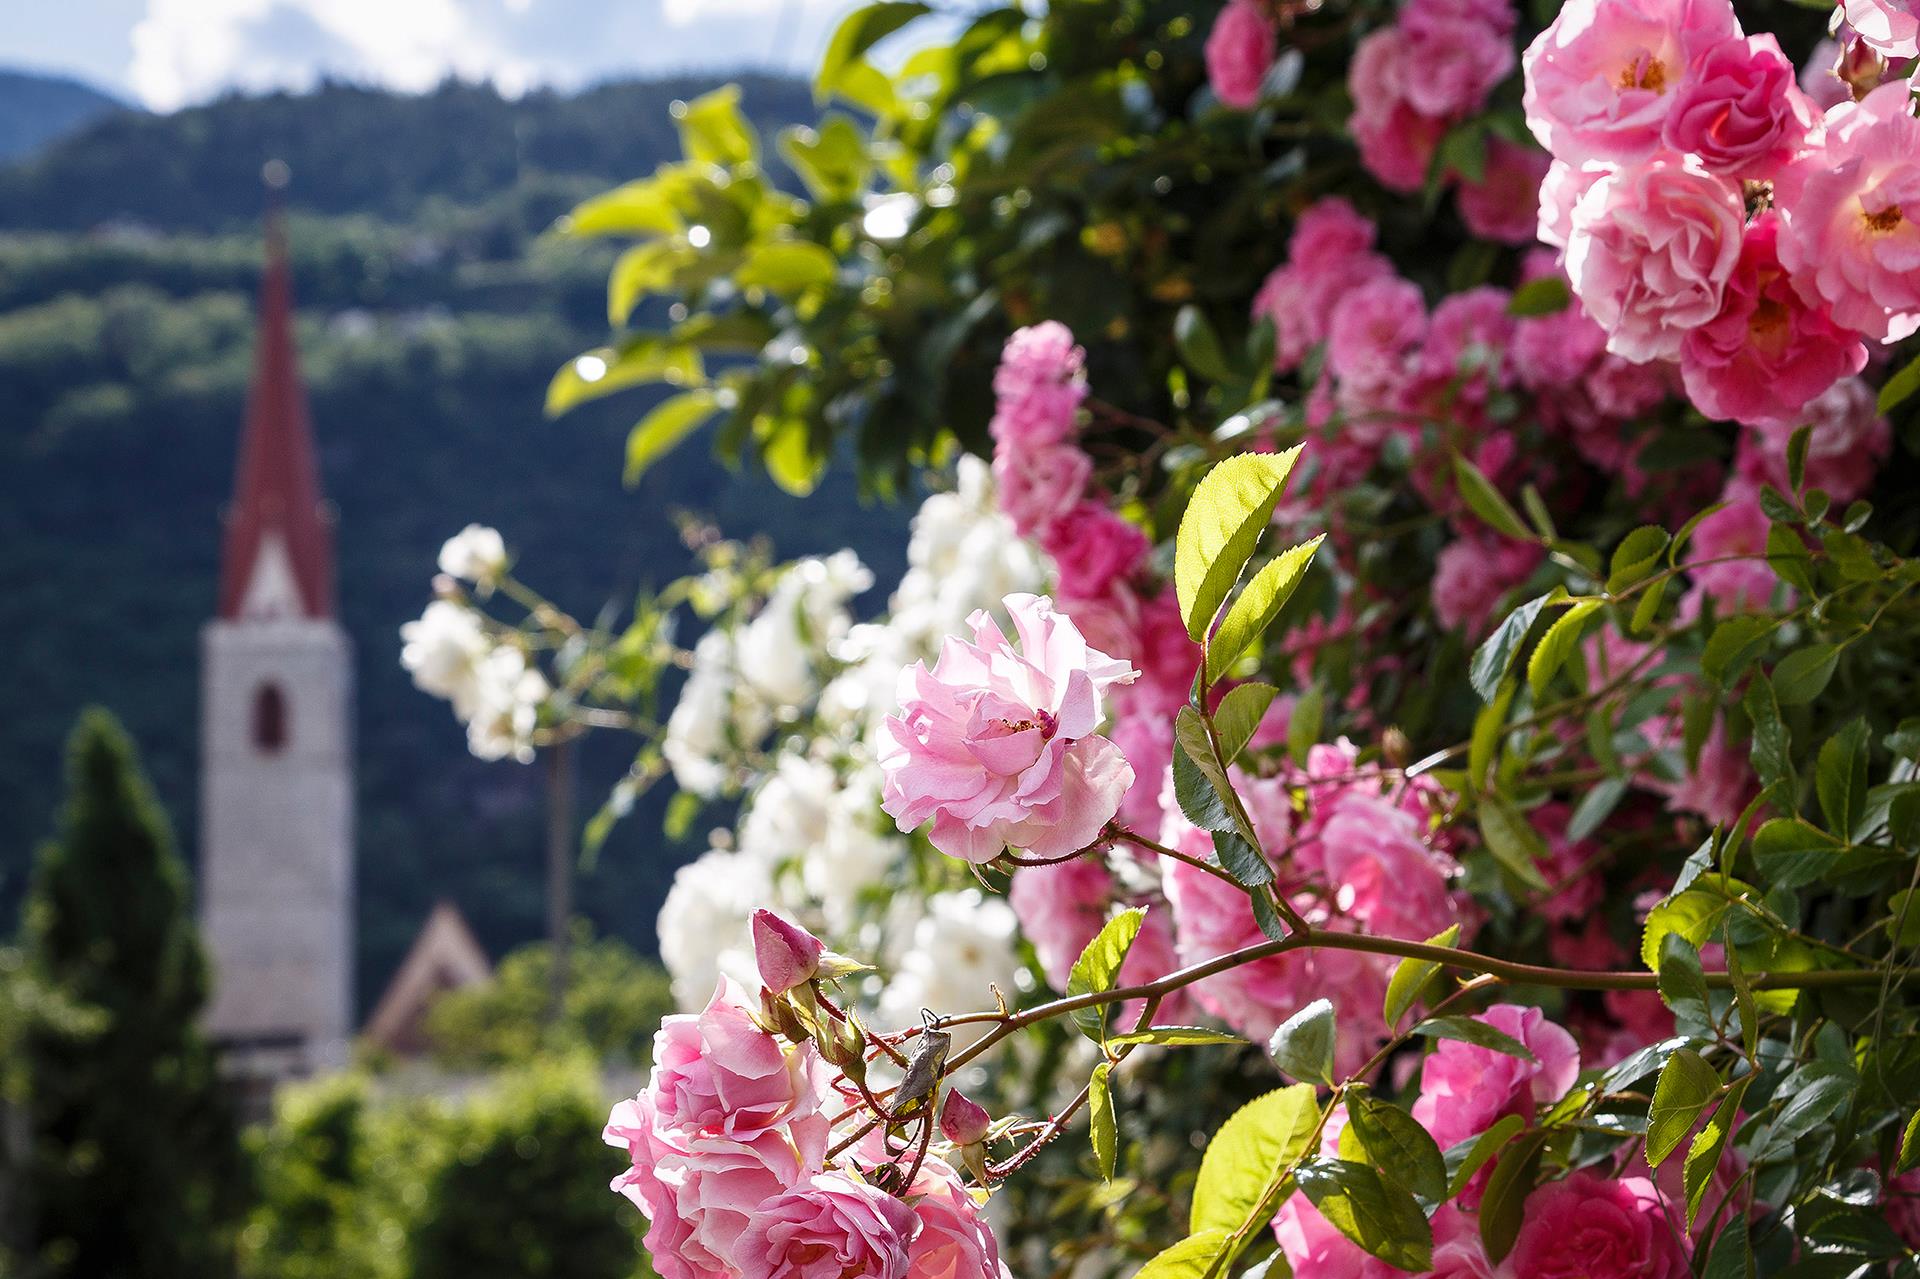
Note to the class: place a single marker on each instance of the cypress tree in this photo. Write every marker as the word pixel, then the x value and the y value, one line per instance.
pixel 137 1168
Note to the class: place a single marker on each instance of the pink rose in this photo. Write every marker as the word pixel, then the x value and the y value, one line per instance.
pixel 1588 1227
pixel 1396 141
pixel 1727 556
pixel 786 954
pixel 718 1074
pixel 1315 1249
pixel 1560 191
pixel 1060 909
pixel 1890 27
pixel 952 1240
pixel 1460 54
pixel 1767 353
pixel 1571 863
pixel 1376 329
pixel 1038 386
pixel 1820 76
pixel 1145 736
pixel 1384 877
pixel 1331 253
pixel 996 744
pixel 1157 645
pixel 827 1227
pixel 1092 547
pixel 1038 485
pixel 1849 442
pixel 1504 205
pixel 1239 51
pixel 1457 1250
pixel 1554 351
pixel 1471 574
pixel 1602 78
pixel 1741 111
pixel 1721 782
pixel 1465 1089
pixel 1851 208
pixel 1650 252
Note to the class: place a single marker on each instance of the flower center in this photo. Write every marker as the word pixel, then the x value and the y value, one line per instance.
pixel 1885 221
pixel 1644 72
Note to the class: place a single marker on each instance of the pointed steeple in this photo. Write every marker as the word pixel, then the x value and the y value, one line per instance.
pixel 278 557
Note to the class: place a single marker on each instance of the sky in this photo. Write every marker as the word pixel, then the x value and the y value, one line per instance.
pixel 165 54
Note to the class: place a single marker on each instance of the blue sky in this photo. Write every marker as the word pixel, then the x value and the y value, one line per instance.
pixel 169 53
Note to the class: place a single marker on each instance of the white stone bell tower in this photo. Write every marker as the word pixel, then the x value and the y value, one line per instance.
pixel 276 812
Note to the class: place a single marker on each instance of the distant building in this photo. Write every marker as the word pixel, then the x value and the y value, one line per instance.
pixel 444 957
pixel 277 821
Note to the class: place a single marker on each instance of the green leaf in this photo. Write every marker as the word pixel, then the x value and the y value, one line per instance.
pixel 831 160
pixel 1703 1155
pixel 1303 1046
pixel 640 272
pixel 1231 506
pixel 1249 1155
pixel 1772 746
pixel 1513 841
pixel 1493 658
pixel 1595 807
pixel 1635 557
pixel 1105 1130
pixel 1791 853
pixel 1376 1214
pixel 1560 640
pixel 670 422
pixel 1469 1157
pixel 858 32
pixel 1241 859
pixel 607 369
pixel 1683 986
pixel 1909 1147
pixel 1802 675
pixel 1733 644
pixel 1199 799
pixel 1239 716
pixel 1194 1257
pixel 713 130
pixel 786 268
pixel 1787 556
pixel 1191 735
pixel 786 448
pixel 1470 1030
pixel 1732 1254
pixel 1841 778
pixel 1503 1204
pixel 645 207
pixel 1411 976
pixel 1901 385
pixel 1488 724
pixel 1175 1037
pixel 1687 1084
pixel 1198 345
pixel 1398 1145
pixel 1099 967
pixel 1486 502
pixel 1546 295
pixel 1250 615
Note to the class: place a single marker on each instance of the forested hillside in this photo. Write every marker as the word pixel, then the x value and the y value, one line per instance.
pixel 432 315
pixel 35 109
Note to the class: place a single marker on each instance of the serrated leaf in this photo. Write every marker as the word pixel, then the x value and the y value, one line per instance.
pixel 1803 674
pixel 1787 556
pixel 671 421
pixel 1494 657
pixel 1175 1037
pixel 1230 508
pixel 1104 1126
pixel 1635 557
pixel 1791 853
pixel 1194 1257
pixel 1239 716
pixel 1909 1157
pixel 1513 841
pixel 1840 777
pixel 1733 644
pixel 1191 735
pixel 1553 648
pixel 1771 751
pixel 1410 977
pixel 1470 1156
pixel 1303 1045
pixel 1687 1084
pixel 1199 799
pixel 1398 1145
pixel 1249 1155
pixel 1241 859
pixel 1486 502
pixel 1098 968
pixel 1731 1256
pixel 1253 612
pixel 1376 1214
pixel 1469 1030
pixel 1683 987
pixel 1703 1154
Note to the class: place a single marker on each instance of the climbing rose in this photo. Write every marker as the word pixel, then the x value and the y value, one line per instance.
pixel 717 1073
pixel 829 1226
pixel 1037 486
pixel 1890 27
pixel 1239 51
pixel 786 954
pixel 1470 576
pixel 1092 548
pixel 1465 1088
pixel 1588 1227
pixel 1741 112
pixel 996 744
pixel 1038 386
pixel 1396 141
pixel 1850 439
pixel 952 1239
pixel 1726 556
pixel 1504 204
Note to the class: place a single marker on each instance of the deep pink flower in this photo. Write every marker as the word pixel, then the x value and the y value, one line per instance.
pixel 1036 486
pixel 1377 328
pixel 1721 782
pixel 995 745
pixel 1851 209
pixel 1767 353
pixel 1569 862
pixel 1738 530
pixel 1554 352
pixel 1060 909
pixel 1461 57
pixel 1650 252
pixel 827 1227
pixel 953 1239
pixel 1504 205
pixel 1602 78
pixel 1092 548
pixel 1741 110
pixel 1849 442
pixel 1890 27
pixel 718 1074
pixel 1331 253
pixel 1588 1227
pixel 1239 51
pixel 1315 1249
pixel 1038 386
pixel 1396 141
pixel 1471 574
pixel 1465 1089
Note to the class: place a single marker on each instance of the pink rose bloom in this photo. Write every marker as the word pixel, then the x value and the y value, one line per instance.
pixel 718 1074
pixel 1650 252
pixel 1554 351
pixel 1767 353
pixel 1038 386
pixel 1315 1249
pixel 1092 547
pixel 1504 205
pixel 1588 1227
pixel 1457 1250
pixel 1721 783
pixel 1331 251
pixel 786 954
pixel 1622 389
pixel 1384 877
pixel 1738 529
pixel 827 1227
pixel 1396 140
pixel 1903 1207
pixel 1460 54
pixel 1850 441
pixel 1890 27
pixel 1465 1089
pixel 953 1240
pixel 995 745
pixel 1145 737
pixel 1037 486
pixel 1741 111
pixel 1328 234
pixel 1376 329
pixel 1560 191
pixel 1158 647
pixel 1060 909
pixel 1239 51
pixel 1602 78
pixel 1471 574
pixel 1851 238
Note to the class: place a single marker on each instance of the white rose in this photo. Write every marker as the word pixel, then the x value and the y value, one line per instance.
pixel 962 944
pixel 705 926
pixel 444 651
pixel 475 554
pixel 508 697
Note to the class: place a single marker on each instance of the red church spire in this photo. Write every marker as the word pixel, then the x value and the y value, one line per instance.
pixel 278 524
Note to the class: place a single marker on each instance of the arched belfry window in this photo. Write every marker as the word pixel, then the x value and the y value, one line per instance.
pixel 269 719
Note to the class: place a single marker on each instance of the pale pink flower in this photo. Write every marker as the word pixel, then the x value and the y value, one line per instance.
pixel 1038 386
pixel 1331 252
pixel 1144 735
pixel 1239 51
pixel 1737 535
pixel 1650 252
pixel 1461 57
pixel 1560 191
pixel 1396 140
pixel 1740 111
pixel 829 1226
pixel 996 745
pixel 952 1239
pixel 1465 1089
pixel 1036 486
pixel 1060 909
pixel 1851 207
pixel 786 954
pixel 1315 1249
pixel 1472 573
pixel 1767 353
pixel 1850 440
pixel 1820 76
pixel 1624 390
pixel 1504 205
pixel 1092 548
pixel 1602 78
pixel 716 1073
pixel 1891 27
pixel 1589 1227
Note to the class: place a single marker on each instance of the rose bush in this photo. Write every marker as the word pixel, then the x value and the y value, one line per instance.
pixel 1443 473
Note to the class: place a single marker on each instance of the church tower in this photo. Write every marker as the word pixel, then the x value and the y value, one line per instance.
pixel 276 854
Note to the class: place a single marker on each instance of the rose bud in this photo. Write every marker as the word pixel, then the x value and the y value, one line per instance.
pixel 963 1121
pixel 788 955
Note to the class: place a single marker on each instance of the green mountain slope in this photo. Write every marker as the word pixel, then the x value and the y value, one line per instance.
pixel 35 109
